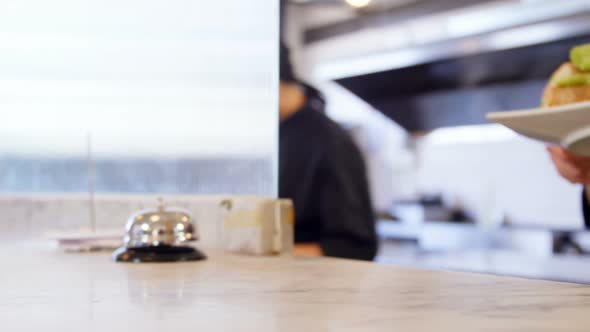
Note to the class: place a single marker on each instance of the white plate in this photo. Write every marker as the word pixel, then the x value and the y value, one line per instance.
pixel 567 125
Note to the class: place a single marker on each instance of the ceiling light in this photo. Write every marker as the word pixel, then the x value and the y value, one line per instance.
pixel 358 3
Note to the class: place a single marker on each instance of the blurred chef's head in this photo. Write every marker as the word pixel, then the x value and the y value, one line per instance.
pixel 294 94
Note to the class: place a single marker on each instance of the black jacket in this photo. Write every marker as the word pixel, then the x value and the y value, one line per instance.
pixel 586 209
pixel 323 172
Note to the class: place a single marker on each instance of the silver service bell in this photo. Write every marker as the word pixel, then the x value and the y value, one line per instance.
pixel 159 235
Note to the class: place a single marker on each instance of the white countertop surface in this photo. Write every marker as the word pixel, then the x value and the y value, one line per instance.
pixel 46 290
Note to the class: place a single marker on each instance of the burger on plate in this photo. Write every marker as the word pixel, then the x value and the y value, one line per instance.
pixel 570 83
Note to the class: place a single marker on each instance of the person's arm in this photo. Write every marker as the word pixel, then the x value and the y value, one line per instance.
pixel 347 218
pixel 308 249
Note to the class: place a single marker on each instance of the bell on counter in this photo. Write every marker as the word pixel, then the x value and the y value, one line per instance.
pixel 159 235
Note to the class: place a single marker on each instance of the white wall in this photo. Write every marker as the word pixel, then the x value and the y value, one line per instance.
pixel 495 172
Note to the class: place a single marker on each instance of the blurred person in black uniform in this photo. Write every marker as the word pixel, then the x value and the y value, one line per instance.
pixel 323 172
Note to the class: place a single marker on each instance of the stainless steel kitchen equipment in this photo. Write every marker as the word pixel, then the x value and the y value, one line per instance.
pixel 159 235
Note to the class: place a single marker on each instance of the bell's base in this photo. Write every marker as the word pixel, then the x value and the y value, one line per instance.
pixel 158 254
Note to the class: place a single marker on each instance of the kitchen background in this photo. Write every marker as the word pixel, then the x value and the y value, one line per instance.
pixel 131 99
pixel 413 80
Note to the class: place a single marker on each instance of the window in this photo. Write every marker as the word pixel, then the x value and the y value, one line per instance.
pixel 165 96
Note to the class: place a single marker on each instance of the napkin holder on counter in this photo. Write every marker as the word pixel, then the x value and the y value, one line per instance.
pixel 258 226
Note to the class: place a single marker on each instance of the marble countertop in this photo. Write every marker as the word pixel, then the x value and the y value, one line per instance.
pixel 46 290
